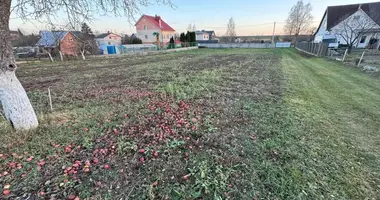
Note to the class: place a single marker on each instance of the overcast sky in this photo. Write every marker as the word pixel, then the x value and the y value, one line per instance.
pixel 252 17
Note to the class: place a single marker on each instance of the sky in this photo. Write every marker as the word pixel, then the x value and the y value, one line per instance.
pixel 252 17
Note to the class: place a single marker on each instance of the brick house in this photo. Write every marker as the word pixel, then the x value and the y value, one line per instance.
pixel 147 25
pixel 65 41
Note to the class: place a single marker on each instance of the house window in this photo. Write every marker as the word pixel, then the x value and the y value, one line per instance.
pixel 146 37
pixel 357 17
pixel 71 39
pixel 146 28
pixel 363 39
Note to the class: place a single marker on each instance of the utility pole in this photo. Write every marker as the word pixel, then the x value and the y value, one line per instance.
pixel 274 30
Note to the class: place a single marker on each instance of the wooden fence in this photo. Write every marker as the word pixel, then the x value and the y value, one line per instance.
pixel 315 49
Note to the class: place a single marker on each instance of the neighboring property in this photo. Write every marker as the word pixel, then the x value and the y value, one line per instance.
pixel 15 35
pixel 147 25
pixel 109 38
pixel 204 36
pixel 64 41
pixel 357 25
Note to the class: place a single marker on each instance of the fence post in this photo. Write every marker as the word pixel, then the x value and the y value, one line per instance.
pixel 345 54
pixel 319 50
pixel 361 58
pixel 50 101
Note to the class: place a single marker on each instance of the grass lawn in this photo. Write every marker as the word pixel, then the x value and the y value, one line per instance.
pixel 202 124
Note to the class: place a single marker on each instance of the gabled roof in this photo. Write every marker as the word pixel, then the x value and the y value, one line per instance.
pixel 155 20
pixel 203 32
pixel 103 35
pixel 336 14
pixel 51 38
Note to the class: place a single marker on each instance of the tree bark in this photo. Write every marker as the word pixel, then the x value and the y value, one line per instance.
pixel 14 100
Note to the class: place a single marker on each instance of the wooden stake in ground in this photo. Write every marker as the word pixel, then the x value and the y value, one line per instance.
pixel 361 58
pixel 50 101
pixel 345 54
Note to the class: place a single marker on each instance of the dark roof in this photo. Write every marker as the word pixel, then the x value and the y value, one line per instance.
pixel 336 14
pixel 210 32
pixel 155 20
pixel 203 31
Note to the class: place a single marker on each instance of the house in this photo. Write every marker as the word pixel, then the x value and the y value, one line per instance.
pixel 110 39
pixel 65 41
pixel 15 35
pixel 204 36
pixel 147 25
pixel 344 24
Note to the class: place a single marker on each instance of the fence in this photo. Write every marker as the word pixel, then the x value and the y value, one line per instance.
pixel 246 45
pixel 316 49
pixel 367 59
pixel 239 45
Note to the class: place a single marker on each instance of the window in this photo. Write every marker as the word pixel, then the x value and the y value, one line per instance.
pixel 146 28
pixel 146 37
pixel 71 39
pixel 356 17
pixel 363 39
pixel 109 43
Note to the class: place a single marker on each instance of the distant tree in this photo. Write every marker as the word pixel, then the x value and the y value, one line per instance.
pixel 86 30
pixel 194 28
pixel 171 43
pixel 299 19
pixel 26 40
pixel 188 38
pixel 182 38
pixel 136 41
pixel 189 27
pixel 231 33
pixel 126 39
pixel 87 44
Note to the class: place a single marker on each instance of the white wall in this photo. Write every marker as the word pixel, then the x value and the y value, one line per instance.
pixel 322 31
pixel 364 19
pixel 149 33
pixel 102 41
pixel 203 36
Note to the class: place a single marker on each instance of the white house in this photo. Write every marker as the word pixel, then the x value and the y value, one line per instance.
pixel 358 23
pixel 203 35
pixel 108 39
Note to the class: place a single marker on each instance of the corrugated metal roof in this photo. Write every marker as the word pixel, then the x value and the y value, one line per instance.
pixel 51 38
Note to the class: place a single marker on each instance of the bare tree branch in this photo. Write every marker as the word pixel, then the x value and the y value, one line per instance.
pixel 299 19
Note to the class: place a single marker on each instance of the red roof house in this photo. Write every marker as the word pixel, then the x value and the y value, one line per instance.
pixel 147 25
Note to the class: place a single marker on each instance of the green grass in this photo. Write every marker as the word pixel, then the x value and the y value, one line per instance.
pixel 260 124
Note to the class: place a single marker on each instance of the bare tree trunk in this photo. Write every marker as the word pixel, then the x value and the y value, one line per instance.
pixel 14 100
pixel 61 56
pixel 83 57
